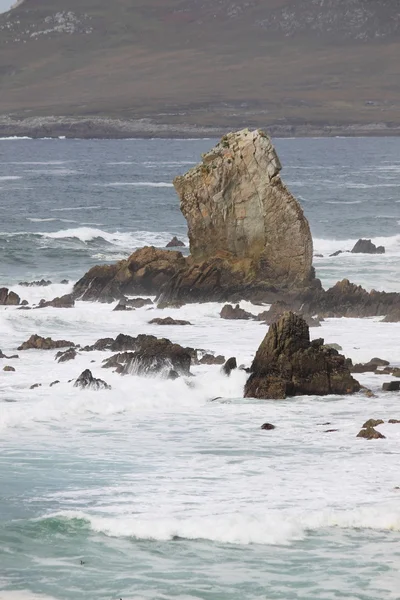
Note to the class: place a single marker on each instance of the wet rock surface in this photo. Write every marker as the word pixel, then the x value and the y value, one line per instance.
pixel 66 301
pixel 175 243
pixel 87 381
pixel 168 321
pixel 235 312
pixel 66 356
pixel 40 343
pixel 370 433
pixel 288 364
pixel 367 247
pixel 9 298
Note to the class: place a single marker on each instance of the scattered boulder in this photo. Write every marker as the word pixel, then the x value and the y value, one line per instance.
pixel 35 385
pixel 396 372
pixel 391 386
pixel 9 369
pixel 41 283
pixel 278 308
pixel 394 421
pixel 65 282
pixel 66 301
pixel 139 302
pixel 318 256
pixel 8 298
pixel 338 252
pixel 175 243
pixel 66 356
pixel 267 426
pixel 367 247
pixel 288 364
pixel 159 357
pixel 40 343
pixel 8 357
pixel 229 366
pixel 54 383
pixel 379 362
pixel 337 347
pixel 364 368
pixel 371 434
pixel 210 359
pixel 372 423
pixel 87 381
pixel 168 321
pixel 330 430
pixel 144 272
pixel 230 312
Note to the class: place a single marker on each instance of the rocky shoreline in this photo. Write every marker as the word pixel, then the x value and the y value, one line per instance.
pixel 95 127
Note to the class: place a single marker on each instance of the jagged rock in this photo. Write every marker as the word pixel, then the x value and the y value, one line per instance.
pixel 371 434
pixel 337 347
pixel 267 426
pixel 122 305
pixel 66 356
pixel 367 247
pixel 278 308
pixel 247 233
pixel 393 421
pixel 159 358
pixel 230 312
pixel 65 281
pixel 175 243
pixel 40 343
pixel 391 386
pixel 393 315
pixel 9 369
pixel 168 321
pixel 229 366
pixel 337 253
pixel 87 381
pixel 8 298
pixel 346 299
pixel 138 302
pixel 210 359
pixel 66 301
pixel 288 364
pixel 41 283
pixel 144 272
pixel 372 423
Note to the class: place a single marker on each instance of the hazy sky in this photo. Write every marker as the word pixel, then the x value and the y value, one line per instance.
pixel 6 4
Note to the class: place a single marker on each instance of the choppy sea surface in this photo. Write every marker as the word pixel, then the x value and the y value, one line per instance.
pixel 161 491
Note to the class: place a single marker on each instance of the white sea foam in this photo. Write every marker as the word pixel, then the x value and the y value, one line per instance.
pixel 50 219
pixel 14 137
pixel 9 177
pixel 391 244
pixel 67 208
pixel 128 240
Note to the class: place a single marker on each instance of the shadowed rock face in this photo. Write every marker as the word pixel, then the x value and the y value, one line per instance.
pixel 236 206
pixel 288 364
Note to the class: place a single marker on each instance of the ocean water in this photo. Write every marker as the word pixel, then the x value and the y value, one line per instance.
pixel 170 489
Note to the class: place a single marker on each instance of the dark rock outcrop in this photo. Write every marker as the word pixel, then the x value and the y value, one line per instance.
pixel 41 283
pixel 367 247
pixel 278 308
pixel 391 386
pixel 371 434
pixel 288 364
pixel 40 343
pixel 175 243
pixel 230 312
pixel 87 381
pixel 9 369
pixel 70 354
pixel 66 301
pixel 8 298
pixel 372 423
pixel 168 321
pixel 229 366
pixel 210 359
pixel 267 426
pixel 144 272
pixel 394 421
pixel 393 315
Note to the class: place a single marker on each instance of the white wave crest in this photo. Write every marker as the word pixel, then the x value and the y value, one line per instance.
pixel 326 247
pixel 128 240
pixel 160 184
pixel 10 177
pixel 274 527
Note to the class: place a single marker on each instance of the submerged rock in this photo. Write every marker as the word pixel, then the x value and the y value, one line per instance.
pixel 40 343
pixel 87 381
pixel 210 359
pixel 288 364
pixel 393 315
pixel 175 243
pixel 230 312
pixel 41 283
pixel 367 247
pixel 371 434
pixel 391 386
pixel 66 301
pixel 229 366
pixel 168 321
pixel 70 354
pixel 8 298
pixel 268 426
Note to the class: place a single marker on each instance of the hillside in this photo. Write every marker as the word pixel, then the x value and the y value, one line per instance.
pixel 289 63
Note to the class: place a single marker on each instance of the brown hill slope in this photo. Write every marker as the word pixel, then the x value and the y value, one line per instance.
pixel 209 62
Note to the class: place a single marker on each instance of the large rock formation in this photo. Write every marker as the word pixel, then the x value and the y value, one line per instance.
pixel 288 364
pixel 235 203
pixel 248 234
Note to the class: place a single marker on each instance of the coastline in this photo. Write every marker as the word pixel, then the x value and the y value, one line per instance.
pixel 92 127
